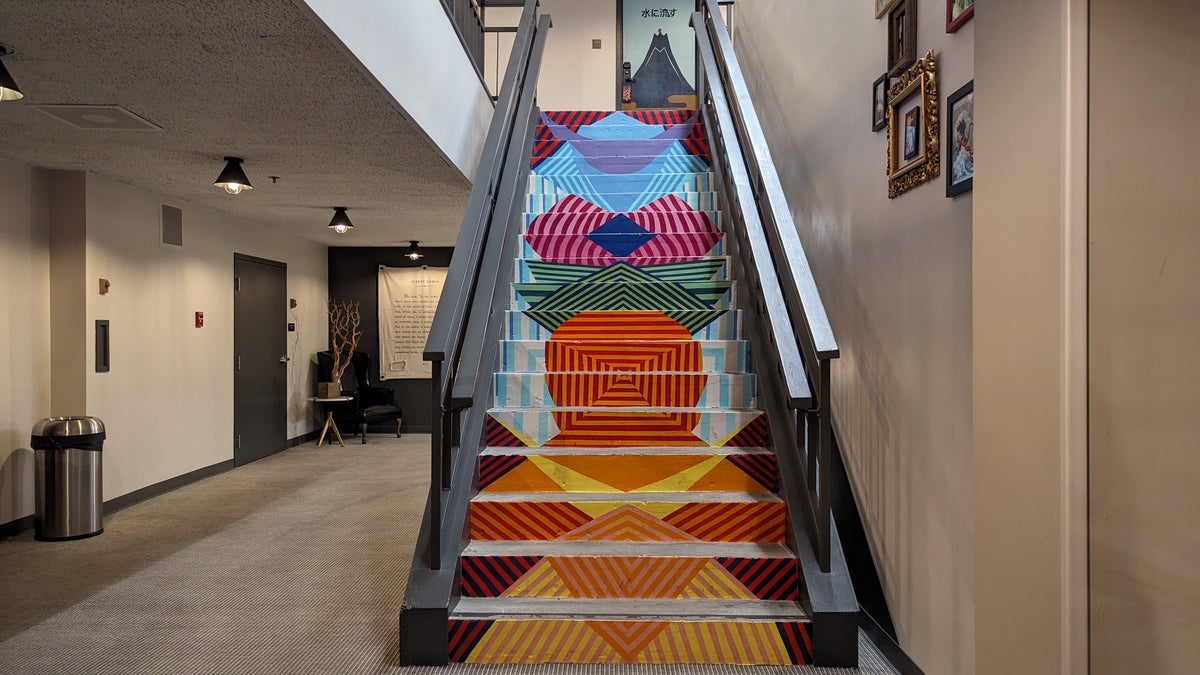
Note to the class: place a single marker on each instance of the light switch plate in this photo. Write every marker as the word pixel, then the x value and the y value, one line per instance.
pixel 596 44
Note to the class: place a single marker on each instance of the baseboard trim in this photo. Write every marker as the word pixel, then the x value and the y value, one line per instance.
pixel 305 438
pixel 163 487
pixel 887 646
pixel 15 527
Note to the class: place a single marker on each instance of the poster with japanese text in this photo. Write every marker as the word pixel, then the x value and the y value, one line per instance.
pixel 660 48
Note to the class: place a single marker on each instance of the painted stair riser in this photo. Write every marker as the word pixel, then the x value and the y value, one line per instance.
pixel 626 473
pixel 530 641
pixel 728 326
pixel 629 185
pixel 612 427
pixel 541 202
pixel 534 520
pixel 533 390
pixel 567 249
pixel 593 296
pixel 661 222
pixel 649 577
pixel 533 271
pixel 692 358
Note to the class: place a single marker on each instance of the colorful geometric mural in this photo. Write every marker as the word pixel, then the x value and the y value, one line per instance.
pixel 627 460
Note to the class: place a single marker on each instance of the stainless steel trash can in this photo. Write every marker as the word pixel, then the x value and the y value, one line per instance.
pixel 69 502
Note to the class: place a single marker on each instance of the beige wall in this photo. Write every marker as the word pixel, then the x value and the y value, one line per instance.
pixel 24 329
pixel 1028 281
pixel 896 278
pixel 167 403
pixel 574 76
pixel 1145 333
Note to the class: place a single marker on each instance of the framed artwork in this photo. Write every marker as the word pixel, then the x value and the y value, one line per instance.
pixel 958 12
pixel 656 42
pixel 882 7
pixel 879 103
pixel 913 155
pixel 902 36
pixel 960 140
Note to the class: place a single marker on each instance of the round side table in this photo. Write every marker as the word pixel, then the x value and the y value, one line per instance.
pixel 329 423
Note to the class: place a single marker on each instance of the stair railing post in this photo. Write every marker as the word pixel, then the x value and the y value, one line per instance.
pixel 825 481
pixel 435 470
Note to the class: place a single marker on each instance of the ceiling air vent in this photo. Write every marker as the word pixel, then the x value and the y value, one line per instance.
pixel 98 117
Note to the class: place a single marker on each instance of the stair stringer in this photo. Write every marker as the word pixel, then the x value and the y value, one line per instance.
pixel 828 597
pixel 432 594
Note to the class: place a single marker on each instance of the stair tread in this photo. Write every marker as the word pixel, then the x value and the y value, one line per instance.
pixel 632 497
pixel 673 549
pixel 632 450
pixel 627 609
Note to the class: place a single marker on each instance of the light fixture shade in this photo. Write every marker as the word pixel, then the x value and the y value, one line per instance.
pixel 9 91
pixel 340 222
pixel 413 252
pixel 232 178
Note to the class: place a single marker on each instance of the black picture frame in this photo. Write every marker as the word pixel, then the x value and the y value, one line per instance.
pixel 960 137
pixel 902 37
pixel 879 103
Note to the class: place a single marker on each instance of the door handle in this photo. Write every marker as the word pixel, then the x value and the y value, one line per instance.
pixel 285 359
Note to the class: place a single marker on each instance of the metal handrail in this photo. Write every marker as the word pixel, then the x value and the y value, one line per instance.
pixel 797 324
pixel 487 205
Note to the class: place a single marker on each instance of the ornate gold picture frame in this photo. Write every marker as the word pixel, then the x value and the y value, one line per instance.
pixel 912 121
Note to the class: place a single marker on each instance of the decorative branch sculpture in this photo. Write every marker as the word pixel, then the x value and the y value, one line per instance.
pixel 344 332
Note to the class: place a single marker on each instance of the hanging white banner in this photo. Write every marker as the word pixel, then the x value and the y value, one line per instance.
pixel 408 298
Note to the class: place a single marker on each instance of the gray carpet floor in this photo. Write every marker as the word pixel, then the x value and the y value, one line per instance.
pixel 293 564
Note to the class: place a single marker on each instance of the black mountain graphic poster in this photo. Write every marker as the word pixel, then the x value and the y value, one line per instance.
pixel 660 48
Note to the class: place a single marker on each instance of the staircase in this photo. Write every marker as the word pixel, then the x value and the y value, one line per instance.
pixel 626 508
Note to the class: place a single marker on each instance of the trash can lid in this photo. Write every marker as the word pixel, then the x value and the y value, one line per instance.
pixel 69 426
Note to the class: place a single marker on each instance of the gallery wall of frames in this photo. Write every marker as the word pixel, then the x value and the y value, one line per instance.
pixel 905 102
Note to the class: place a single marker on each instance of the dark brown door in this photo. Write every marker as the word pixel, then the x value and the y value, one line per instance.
pixel 259 358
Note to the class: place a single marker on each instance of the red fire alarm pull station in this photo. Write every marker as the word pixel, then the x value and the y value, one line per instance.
pixel 199 319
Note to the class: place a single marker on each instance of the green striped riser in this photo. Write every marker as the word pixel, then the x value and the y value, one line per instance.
pixel 534 271
pixel 653 295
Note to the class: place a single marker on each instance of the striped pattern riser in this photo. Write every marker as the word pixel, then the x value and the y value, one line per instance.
pixel 541 202
pixel 533 271
pixel 721 390
pixel 662 249
pixel 533 640
pixel 609 296
pixel 680 577
pixel 660 222
pixel 533 356
pixel 728 326
pixel 533 518
pixel 588 426
pixel 623 473
pixel 631 185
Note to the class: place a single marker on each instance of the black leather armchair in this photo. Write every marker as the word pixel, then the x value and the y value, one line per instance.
pixel 371 404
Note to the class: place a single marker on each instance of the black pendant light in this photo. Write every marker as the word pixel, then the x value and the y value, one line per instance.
pixel 232 178
pixel 413 252
pixel 340 222
pixel 9 91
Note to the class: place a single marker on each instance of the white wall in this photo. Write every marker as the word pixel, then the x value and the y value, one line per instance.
pixel 574 76
pixel 895 276
pixel 24 329
pixel 1144 333
pixel 411 49
pixel 167 402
